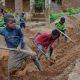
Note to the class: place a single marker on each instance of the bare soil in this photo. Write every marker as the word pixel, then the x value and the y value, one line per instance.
pixel 66 55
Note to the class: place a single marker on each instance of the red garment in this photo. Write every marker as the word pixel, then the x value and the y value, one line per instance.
pixel 44 39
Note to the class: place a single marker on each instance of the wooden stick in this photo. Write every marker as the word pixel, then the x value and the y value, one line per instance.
pixel 9 48
pixel 37 46
pixel 41 50
pixel 66 35
pixel 21 50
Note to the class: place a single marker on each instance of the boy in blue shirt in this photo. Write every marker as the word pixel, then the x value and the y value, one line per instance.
pixel 14 39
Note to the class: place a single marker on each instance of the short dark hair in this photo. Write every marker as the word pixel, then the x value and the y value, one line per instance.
pixel 55 33
pixel 22 14
pixel 62 19
pixel 1 10
pixel 8 17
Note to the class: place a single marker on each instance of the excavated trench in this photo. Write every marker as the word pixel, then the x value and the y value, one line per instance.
pixel 66 55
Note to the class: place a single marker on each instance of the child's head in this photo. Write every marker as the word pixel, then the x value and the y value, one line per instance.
pixel 1 10
pixel 22 14
pixel 62 20
pixel 17 14
pixel 10 21
pixel 55 34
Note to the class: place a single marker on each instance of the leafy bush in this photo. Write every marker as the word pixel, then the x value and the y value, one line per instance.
pixel 39 5
pixel 73 11
pixel 1 4
pixel 56 15
pixel 58 1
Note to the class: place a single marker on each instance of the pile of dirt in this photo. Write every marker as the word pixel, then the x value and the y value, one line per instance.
pixel 3 61
pixel 3 68
pixel 75 74
pixel 66 55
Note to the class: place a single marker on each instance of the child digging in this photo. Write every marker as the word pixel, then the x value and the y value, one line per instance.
pixel 45 41
pixel 14 39
pixel 61 26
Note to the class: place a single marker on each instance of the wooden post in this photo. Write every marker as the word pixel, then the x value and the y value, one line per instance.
pixel 47 6
pixel 19 6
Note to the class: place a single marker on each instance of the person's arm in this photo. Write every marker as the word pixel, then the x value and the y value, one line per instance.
pixel 51 49
pixel 65 26
pixel 25 18
pixel 2 31
pixel 21 44
pixel 52 46
pixel 20 18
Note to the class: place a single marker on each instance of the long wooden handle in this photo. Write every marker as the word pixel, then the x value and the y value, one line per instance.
pixel 66 35
pixel 9 48
pixel 21 50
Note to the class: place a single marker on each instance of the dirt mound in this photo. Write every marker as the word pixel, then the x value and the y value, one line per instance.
pixel 75 74
pixel 3 68
pixel 66 55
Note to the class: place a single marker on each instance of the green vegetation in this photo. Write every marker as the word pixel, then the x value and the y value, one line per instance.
pixel 1 4
pixel 56 15
pixel 1 21
pixel 39 5
pixel 58 1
